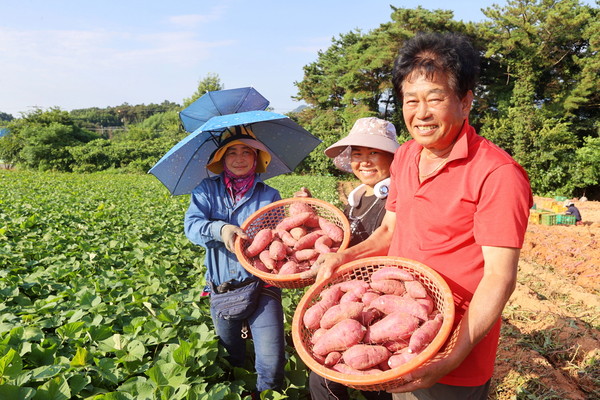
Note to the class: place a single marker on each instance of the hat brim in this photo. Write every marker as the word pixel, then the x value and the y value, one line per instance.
pixel 263 157
pixel 373 141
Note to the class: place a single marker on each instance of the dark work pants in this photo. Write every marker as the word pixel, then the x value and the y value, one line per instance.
pixel 323 389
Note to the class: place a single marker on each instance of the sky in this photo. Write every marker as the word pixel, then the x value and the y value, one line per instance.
pixel 75 54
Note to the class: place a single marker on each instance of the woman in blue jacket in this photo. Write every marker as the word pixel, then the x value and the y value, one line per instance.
pixel 218 206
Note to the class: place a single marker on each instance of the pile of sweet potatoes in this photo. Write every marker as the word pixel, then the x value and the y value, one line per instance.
pixel 295 243
pixel 361 327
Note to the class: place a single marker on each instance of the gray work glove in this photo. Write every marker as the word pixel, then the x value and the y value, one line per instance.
pixel 228 234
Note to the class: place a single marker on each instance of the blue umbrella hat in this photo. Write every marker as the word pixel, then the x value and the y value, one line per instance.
pixel 221 102
pixel 183 167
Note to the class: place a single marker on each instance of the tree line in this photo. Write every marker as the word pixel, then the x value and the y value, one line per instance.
pixel 537 98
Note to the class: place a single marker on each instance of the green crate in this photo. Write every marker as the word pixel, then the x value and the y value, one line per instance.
pixel 563 219
pixel 549 219
pixel 560 198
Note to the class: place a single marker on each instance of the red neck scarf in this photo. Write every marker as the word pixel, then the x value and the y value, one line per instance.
pixel 237 186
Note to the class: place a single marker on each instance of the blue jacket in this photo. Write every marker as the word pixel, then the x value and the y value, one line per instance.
pixel 572 210
pixel 211 208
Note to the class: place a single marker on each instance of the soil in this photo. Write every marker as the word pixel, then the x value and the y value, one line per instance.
pixel 550 342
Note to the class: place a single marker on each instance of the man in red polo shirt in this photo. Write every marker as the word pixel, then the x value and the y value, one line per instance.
pixel 457 203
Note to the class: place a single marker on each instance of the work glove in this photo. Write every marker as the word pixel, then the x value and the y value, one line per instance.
pixel 303 192
pixel 228 234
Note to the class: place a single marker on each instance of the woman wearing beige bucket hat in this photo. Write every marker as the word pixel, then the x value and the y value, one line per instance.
pixel 218 206
pixel 367 151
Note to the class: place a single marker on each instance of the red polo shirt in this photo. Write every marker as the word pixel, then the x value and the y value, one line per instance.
pixel 480 197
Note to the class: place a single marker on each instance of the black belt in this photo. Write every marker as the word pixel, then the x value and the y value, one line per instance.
pixel 231 285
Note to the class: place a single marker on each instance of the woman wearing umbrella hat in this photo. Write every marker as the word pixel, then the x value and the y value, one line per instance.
pixel 218 206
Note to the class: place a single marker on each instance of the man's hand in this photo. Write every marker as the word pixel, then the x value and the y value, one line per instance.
pixel 324 267
pixel 228 233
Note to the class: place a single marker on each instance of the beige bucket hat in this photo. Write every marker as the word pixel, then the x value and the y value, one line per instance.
pixel 370 132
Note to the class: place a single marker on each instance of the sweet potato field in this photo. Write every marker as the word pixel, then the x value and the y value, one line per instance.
pixel 101 299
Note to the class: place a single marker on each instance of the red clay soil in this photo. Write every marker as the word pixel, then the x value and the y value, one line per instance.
pixel 550 343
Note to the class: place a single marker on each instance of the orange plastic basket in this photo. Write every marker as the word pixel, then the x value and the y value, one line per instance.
pixel 268 217
pixel 362 269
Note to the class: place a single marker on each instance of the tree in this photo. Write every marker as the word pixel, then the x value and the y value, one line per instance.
pixel 538 102
pixel 5 117
pixel 41 140
pixel 210 83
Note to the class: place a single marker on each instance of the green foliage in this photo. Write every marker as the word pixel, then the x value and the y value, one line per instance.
pixel 161 125
pixel 101 293
pixel 41 140
pixel 5 116
pixel 124 114
pixel 538 96
pixel 586 169
pixel 129 155
pixel 209 83
pixel 322 187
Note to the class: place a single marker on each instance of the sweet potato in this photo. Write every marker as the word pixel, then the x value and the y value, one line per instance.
pixel 266 259
pixel 423 335
pixel 312 316
pixel 400 358
pixel 298 232
pixel 317 334
pixel 365 356
pixel 286 238
pixel 340 312
pixel 351 297
pixel 277 250
pixel 354 285
pixel 331 295
pixel 392 273
pixel 332 358
pixel 340 337
pixel 320 359
pixel 389 286
pixel 395 346
pixel 312 221
pixel 368 297
pixel 395 326
pixel 346 369
pixel 259 265
pixel 291 222
pixel 368 316
pixel 415 289
pixel 427 302
pixel 323 244
pixel 307 241
pixel 299 208
pixel 384 366
pixel 388 303
pixel 332 230
pixel 306 254
pixel 260 242
pixel 289 267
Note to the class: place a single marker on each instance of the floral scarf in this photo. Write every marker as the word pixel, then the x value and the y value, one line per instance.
pixel 237 186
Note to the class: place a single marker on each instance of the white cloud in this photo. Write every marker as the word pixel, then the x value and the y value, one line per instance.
pixel 193 20
pixel 62 67
pixel 312 45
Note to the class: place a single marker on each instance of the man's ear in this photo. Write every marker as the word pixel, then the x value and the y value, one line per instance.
pixel 467 102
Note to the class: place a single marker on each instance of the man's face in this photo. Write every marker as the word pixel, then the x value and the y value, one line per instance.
pixel 433 113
